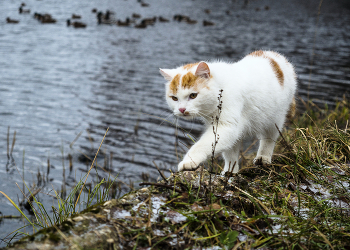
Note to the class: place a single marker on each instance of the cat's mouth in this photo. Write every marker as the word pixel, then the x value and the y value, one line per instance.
pixel 185 114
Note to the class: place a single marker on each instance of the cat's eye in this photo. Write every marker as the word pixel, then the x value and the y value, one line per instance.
pixel 174 98
pixel 193 95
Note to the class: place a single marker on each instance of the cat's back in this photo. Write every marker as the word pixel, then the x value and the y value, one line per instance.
pixel 258 70
pixel 263 79
pixel 269 64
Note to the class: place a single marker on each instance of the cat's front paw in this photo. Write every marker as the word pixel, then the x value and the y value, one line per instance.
pixel 262 160
pixel 187 165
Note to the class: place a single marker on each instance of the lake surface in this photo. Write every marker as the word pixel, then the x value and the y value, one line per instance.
pixel 58 82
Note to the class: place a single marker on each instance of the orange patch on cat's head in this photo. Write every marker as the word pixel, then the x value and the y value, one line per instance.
pixel 189 66
pixel 189 80
pixel 174 84
pixel 277 70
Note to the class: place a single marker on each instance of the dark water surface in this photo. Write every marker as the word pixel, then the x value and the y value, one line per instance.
pixel 57 81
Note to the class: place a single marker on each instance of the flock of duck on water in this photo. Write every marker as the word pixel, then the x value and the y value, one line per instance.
pixel 108 17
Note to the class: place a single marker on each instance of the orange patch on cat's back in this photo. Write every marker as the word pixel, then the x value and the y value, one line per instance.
pixel 257 53
pixel 275 66
pixel 174 84
pixel 189 80
pixel 277 70
pixel 189 66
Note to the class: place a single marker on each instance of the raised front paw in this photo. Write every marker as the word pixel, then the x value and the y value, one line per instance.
pixel 187 165
pixel 262 160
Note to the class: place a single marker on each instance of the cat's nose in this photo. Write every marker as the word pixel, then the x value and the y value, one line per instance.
pixel 182 110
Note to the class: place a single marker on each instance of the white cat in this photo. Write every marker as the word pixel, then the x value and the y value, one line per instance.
pixel 257 94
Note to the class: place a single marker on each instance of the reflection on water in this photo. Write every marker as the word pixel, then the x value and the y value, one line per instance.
pixel 58 81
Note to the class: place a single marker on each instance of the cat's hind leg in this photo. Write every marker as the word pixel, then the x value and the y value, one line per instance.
pixel 231 157
pixel 266 147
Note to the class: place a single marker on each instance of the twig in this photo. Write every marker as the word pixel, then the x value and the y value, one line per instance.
pixel 161 185
pixel 10 217
pixel 284 140
pixel 160 172
pixel 13 142
pixel 8 142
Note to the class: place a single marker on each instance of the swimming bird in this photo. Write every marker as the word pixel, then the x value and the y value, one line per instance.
pixel 74 16
pixel 180 18
pixel 104 18
pixel 141 25
pixel 23 11
pixel 207 23
pixel 9 20
pixel 149 21
pixel 46 18
pixel 76 24
pixel 207 11
pixel 126 23
pixel 162 19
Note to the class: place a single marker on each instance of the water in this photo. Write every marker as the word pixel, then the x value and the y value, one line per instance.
pixel 57 81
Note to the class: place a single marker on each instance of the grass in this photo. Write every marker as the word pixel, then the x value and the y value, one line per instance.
pixel 67 205
pixel 300 201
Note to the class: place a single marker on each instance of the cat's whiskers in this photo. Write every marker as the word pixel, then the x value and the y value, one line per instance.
pixel 166 120
pixel 204 116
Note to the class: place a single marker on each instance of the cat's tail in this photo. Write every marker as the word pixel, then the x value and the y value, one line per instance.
pixel 292 109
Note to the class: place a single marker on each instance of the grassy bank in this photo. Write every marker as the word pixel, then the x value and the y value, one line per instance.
pixel 300 201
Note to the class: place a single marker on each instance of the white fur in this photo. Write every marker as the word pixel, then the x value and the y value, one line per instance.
pixel 253 103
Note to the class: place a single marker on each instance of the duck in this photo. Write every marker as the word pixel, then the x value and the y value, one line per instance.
pixel 207 11
pixel 9 20
pixel 23 11
pixel 207 23
pixel 267 7
pixel 74 16
pixel 162 19
pixel 76 24
pixel 104 18
pixel 181 18
pixel 190 21
pixel 94 10
pixel 141 25
pixel 126 23
pixel 149 21
pixel 135 15
pixel 143 4
pixel 46 18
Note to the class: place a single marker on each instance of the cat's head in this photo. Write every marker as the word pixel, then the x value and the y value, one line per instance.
pixel 189 90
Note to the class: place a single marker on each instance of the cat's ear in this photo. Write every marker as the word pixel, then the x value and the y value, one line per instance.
pixel 203 70
pixel 168 74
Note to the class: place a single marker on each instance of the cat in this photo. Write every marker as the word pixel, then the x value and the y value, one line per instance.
pixel 257 93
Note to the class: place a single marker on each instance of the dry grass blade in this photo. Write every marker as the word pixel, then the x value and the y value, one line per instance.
pixel 92 164
pixel 161 185
pixel 13 142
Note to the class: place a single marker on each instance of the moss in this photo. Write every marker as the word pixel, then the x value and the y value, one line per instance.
pixel 54 237
pixel 66 226
pixel 93 209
